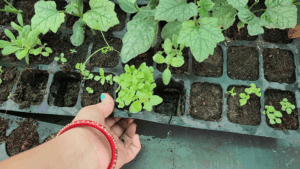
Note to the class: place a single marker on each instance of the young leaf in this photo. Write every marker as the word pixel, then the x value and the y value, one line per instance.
pixel 101 72
pixel 278 121
pixel 138 38
pixel 22 54
pixel 102 81
pixel 175 10
pixel 177 62
pixel 78 3
pixel 64 60
pixel 238 4
pixel 289 110
pixel 168 46
pixel 224 12
pixel 243 102
pixel 271 116
pixel 101 16
pixel 170 29
pixel 158 58
pixel 49 50
pixel 254 23
pixel 272 121
pixel 147 106
pixel 128 6
pixel 46 17
pixel 135 107
pixel 46 54
pixel 155 100
pixel 78 33
pixel 4 43
pixel 277 114
pixel 56 58
pixel 70 8
pixel 202 41
pixel 16 27
pixel 166 76
pixel 206 5
pixel 145 12
pixel 9 34
pixel 9 50
pixel 38 51
pixel 20 19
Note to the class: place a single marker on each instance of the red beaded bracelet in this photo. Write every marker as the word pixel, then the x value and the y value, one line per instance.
pixel 102 130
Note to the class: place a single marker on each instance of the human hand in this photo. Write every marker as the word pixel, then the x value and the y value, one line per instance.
pixel 128 149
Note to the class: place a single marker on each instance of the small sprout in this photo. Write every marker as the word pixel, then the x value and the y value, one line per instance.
pixel 9 95
pixel 273 115
pixel 246 96
pixel 89 90
pixel 73 51
pixel 102 77
pixel 52 136
pixel 61 58
pixel 231 92
pixel 287 106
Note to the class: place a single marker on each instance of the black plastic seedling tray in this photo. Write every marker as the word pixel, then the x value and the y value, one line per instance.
pixel 181 86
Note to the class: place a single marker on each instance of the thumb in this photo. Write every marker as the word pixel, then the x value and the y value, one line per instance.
pixel 97 112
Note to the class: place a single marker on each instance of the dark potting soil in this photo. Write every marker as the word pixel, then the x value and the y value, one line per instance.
pixel 6 19
pixel 279 65
pixel 64 89
pixel 31 88
pixel 206 101
pixel 109 60
pixel 177 70
pixel 11 57
pixel 277 36
pixel 9 78
pixel 242 63
pixel 3 128
pixel 23 138
pixel 273 98
pixel 94 98
pixel 144 57
pixel 210 67
pixel 249 114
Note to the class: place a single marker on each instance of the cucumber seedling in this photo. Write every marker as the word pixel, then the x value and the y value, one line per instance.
pixel 248 91
pixel 61 58
pixel 287 106
pixel 231 92
pixel 273 114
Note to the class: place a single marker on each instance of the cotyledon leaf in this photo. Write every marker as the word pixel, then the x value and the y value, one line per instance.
pixel 128 6
pixel 78 33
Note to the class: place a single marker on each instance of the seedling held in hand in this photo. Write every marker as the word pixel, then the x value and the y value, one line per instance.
pixel 246 96
pixel 89 90
pixel 287 106
pixel 102 77
pixel 174 57
pixel 231 92
pixel 61 58
pixel 273 115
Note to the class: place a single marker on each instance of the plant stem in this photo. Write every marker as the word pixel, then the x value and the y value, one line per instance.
pixel 93 54
pixel 296 3
pixel 9 4
pixel 194 18
pixel 252 5
pixel 104 38
pixel 70 14
pixel 258 10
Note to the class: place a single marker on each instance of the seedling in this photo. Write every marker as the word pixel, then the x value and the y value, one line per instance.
pixel 231 92
pixel 25 44
pixel 136 88
pixel 1 71
pixel 273 115
pixel 73 51
pixel 9 95
pixel 174 57
pixel 246 96
pixel 61 58
pixel 89 90
pixel 52 136
pixel 102 78
pixel 287 106
pixel 11 9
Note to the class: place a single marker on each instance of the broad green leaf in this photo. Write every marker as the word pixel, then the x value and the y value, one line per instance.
pixel 238 4
pixel 70 8
pixel 16 27
pixel 272 121
pixel 46 17
pixel 285 100
pixel 64 60
pixel 155 100
pixel 22 54
pixel 224 12
pixel 145 12
pixel 4 43
pixel 147 106
pixel 205 6
pixel 202 41
pixel 46 54
pixel 277 114
pixel 20 19
pixel 177 62
pixel 9 50
pixel 135 107
pixel 128 6
pixel 138 38
pixel 57 59
pixel 168 46
pixel 254 23
pixel 171 10
pixel 38 51
pixel 293 107
pixel 245 15
pixel 289 110
pixel 9 34
pixel 49 50
pixel 242 102
pixel 79 3
pixel 166 76
pixel 278 121
pixel 158 58
pixel 271 116
pixel 280 14
pixel 97 78
pixel 101 16
pixel 78 33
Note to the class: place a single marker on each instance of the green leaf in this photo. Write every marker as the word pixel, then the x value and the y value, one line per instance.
pixel 158 58
pixel 102 81
pixel 25 32
pixel 243 95
pixel 167 46
pixel 272 121
pixel 9 50
pixel 32 37
pixel 78 3
pixel 224 12
pixel 20 19
pixel 78 33
pixel 147 106
pixel 285 100
pixel 166 76
pixel 22 54
pixel 278 121
pixel 64 60
pixel 70 8
pixel 155 100
pixel 254 23
pixel 101 71
pixel 128 6
pixel 280 14
pixel 206 5
pixel 174 41
pixel 9 34
pixel 202 41
pixel 170 29
pixel 243 102
pixel 293 107
pixel 0 80
pixel 135 107
pixel 175 10
pixel 4 43
pixel 138 38
pixel 46 54
pixel 16 27
pixel 46 17
pixel 38 51
pixel 56 58
pixel 145 12
pixel 97 78
pixel 49 50
pixel 289 110
pixel 271 116
pixel 177 62
pixel 277 114
pixel 238 3
pixel 101 16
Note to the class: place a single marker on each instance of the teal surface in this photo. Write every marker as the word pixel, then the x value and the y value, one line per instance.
pixel 170 147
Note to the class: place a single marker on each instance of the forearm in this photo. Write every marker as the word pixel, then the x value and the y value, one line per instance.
pixel 76 148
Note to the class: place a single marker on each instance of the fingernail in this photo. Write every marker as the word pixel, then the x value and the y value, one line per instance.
pixel 102 96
